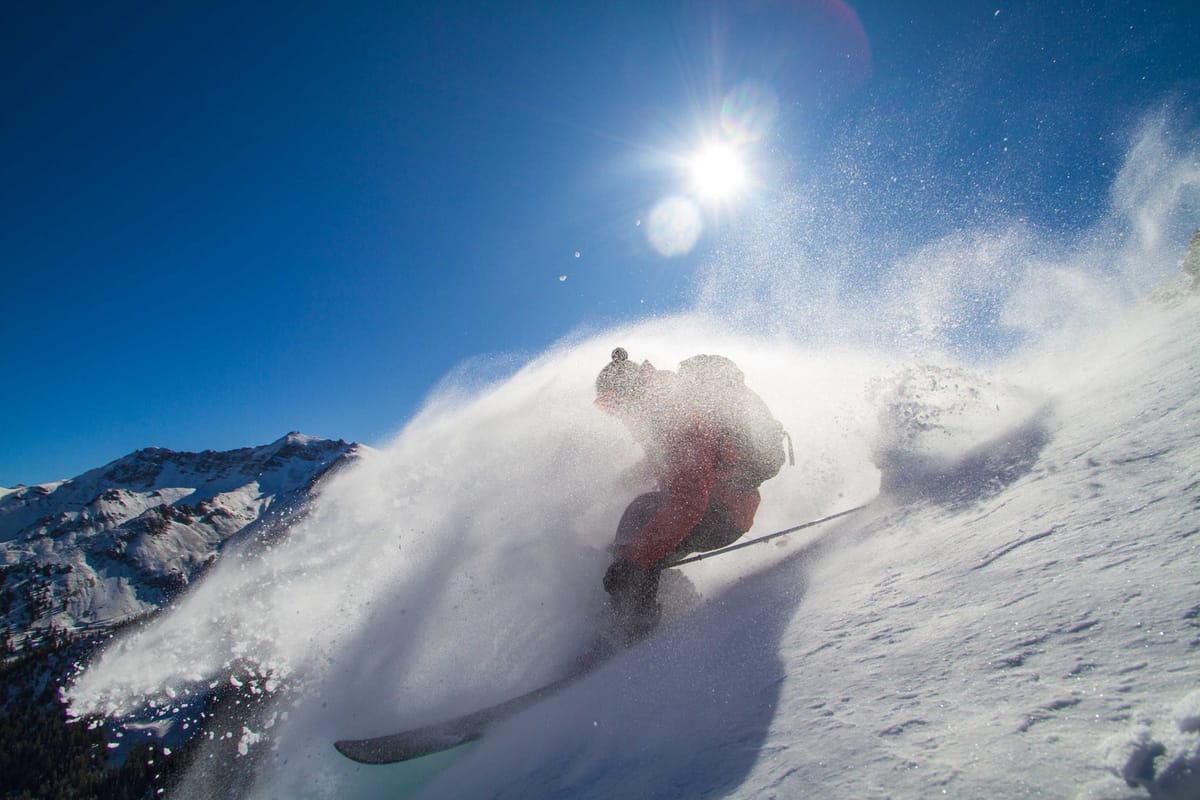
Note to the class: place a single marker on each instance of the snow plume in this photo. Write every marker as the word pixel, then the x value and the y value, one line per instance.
pixel 460 564
pixel 813 268
pixel 441 573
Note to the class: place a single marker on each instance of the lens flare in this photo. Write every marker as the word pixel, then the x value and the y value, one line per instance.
pixel 674 226
pixel 748 111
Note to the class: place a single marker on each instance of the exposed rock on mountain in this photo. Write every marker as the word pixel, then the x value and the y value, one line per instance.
pixel 120 540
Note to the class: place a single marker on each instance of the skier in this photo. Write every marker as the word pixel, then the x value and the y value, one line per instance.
pixel 709 443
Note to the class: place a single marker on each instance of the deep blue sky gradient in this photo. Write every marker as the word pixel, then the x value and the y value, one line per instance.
pixel 221 222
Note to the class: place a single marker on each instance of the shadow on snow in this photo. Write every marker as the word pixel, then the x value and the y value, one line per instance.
pixel 686 714
pixel 982 472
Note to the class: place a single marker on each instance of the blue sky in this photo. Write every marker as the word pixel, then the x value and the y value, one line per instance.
pixel 222 222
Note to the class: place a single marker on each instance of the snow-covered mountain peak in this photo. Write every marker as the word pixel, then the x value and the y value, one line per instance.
pixel 119 540
pixel 296 437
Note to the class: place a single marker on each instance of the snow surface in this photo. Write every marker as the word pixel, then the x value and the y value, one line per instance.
pixel 1017 614
pixel 1037 638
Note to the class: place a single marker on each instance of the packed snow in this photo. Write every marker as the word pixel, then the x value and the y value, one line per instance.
pixel 1015 613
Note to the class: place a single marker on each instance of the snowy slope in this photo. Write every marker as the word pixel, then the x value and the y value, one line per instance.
pixel 1018 614
pixel 1033 632
pixel 120 540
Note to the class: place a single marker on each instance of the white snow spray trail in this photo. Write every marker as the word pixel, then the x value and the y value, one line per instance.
pixel 460 564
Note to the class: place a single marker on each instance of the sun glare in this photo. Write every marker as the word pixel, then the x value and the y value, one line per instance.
pixel 718 172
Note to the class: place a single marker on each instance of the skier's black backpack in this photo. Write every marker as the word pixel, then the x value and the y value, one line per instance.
pixel 721 391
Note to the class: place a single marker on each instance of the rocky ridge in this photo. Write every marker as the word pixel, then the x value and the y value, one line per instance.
pixel 121 540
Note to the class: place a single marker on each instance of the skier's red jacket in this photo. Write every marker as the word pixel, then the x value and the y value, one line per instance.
pixel 699 466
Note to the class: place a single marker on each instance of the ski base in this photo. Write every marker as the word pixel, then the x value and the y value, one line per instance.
pixel 441 736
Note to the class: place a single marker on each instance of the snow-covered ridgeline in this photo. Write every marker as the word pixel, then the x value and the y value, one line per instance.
pixel 119 540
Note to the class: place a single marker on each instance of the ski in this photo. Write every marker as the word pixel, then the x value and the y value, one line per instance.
pixel 429 739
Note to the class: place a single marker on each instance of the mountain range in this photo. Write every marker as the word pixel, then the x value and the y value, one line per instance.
pixel 121 540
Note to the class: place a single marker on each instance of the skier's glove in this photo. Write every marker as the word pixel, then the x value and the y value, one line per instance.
pixel 621 574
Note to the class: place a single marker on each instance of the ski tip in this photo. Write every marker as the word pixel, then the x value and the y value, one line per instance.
pixel 353 750
pixel 409 745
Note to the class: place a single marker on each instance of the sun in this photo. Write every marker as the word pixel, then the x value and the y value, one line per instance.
pixel 718 172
